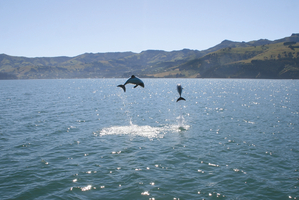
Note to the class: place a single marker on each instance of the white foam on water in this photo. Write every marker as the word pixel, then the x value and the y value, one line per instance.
pixel 144 131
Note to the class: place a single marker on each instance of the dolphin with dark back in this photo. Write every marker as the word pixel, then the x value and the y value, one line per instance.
pixel 180 89
pixel 133 80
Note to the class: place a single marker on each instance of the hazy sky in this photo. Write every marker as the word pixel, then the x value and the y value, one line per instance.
pixel 46 28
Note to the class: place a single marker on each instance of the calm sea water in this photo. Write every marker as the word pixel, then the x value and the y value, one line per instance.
pixel 87 139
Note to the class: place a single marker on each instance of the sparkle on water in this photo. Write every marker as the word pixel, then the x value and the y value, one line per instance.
pixel 87 139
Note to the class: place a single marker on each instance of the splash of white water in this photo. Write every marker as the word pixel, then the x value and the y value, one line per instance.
pixel 144 131
pixel 180 120
pixel 181 123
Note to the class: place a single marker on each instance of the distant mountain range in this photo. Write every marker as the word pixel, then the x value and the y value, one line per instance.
pixel 278 59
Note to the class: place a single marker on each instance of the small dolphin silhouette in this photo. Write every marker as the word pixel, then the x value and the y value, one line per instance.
pixel 133 80
pixel 180 89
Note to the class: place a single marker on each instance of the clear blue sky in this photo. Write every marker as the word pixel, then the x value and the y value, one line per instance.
pixel 47 28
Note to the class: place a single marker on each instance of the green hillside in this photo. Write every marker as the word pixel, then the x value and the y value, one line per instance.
pixel 255 59
pixel 93 65
pixel 272 60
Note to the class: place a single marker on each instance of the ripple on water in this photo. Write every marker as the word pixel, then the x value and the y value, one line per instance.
pixel 239 147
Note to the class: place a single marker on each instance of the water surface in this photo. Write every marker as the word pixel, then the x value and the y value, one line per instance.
pixel 87 139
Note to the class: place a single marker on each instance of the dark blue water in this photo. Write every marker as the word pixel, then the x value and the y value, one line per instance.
pixel 87 139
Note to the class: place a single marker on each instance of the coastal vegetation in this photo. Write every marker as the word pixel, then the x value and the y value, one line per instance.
pixel 255 59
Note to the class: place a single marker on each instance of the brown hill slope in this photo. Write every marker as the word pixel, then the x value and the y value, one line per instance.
pixel 255 59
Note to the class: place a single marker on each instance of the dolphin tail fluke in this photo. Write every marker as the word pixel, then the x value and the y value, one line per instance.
pixel 123 87
pixel 181 98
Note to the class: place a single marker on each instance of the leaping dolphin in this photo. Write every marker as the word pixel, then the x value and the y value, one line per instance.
pixel 133 80
pixel 180 89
